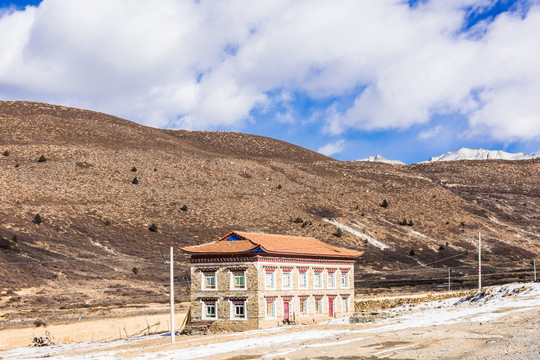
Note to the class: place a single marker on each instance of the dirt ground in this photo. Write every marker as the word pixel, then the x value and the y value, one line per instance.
pixel 502 324
pixel 123 325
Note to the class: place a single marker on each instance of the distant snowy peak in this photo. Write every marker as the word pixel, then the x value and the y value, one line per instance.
pixel 481 154
pixel 379 158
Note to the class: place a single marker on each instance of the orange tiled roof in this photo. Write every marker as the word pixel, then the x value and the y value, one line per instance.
pixel 244 242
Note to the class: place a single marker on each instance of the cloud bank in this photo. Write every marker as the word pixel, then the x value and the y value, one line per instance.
pixel 214 65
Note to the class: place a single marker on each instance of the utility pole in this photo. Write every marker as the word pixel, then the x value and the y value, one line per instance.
pixel 448 279
pixel 172 297
pixel 479 261
pixel 534 269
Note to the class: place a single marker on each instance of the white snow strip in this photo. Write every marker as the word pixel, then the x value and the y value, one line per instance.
pixel 393 350
pixel 296 348
pixel 362 236
pixel 497 221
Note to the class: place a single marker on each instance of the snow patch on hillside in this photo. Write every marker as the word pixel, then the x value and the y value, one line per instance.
pixel 357 233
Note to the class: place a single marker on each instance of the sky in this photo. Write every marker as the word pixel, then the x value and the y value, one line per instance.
pixel 404 79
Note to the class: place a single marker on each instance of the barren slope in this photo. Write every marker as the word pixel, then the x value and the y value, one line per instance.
pixel 95 220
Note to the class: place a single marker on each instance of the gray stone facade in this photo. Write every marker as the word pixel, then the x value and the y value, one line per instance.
pixel 250 292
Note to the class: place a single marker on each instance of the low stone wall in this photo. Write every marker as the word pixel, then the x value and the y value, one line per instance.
pixel 381 304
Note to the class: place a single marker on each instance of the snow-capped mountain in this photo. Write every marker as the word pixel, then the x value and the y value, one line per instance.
pixel 482 154
pixel 379 158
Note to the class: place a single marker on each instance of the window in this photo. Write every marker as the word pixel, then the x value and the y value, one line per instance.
pixel 303 306
pixel 302 279
pixel 345 304
pixel 239 280
pixel 270 308
pixel 317 280
pixel 209 281
pixel 318 306
pixel 238 310
pixel 331 280
pixel 344 280
pixel 210 310
pixel 270 280
pixel 287 280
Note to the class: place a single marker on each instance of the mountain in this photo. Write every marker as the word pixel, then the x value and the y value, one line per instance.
pixel 96 247
pixel 382 159
pixel 481 154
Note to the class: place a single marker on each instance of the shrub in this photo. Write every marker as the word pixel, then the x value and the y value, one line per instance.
pixel 298 220
pixel 462 223
pixel 17 165
pixel 279 186
pixel 107 222
pixel 384 203
pixel 441 247
pixel 410 223
pixel 153 228
pixel 184 208
pixel 135 270
pixel 42 158
pixel 6 153
pixel 135 181
pixel 37 219
pixel 134 169
pixel 411 253
pixel 338 233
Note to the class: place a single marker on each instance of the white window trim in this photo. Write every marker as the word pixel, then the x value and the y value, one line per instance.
pixel 345 304
pixel 346 276
pixel 272 316
pixel 231 278
pixel 328 274
pixel 320 274
pixel 203 312
pixel 232 307
pixel 299 284
pixel 273 287
pixel 203 281
pixel 289 274
pixel 321 307
pixel 306 306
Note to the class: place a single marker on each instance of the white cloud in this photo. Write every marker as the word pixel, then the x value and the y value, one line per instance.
pixel 170 63
pixel 332 148
pixel 430 133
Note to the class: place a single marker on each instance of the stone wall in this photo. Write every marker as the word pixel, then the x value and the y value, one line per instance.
pixel 256 294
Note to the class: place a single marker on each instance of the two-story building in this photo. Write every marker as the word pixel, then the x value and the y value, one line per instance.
pixel 254 280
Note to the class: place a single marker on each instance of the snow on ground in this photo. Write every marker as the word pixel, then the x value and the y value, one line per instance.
pixel 491 304
pixel 362 236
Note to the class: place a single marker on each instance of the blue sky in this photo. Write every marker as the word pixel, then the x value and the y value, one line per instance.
pixel 404 79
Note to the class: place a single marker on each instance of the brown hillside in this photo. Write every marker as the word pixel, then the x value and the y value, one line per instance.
pixel 95 220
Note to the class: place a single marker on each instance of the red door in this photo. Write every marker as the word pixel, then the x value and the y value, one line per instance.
pixel 331 307
pixel 286 310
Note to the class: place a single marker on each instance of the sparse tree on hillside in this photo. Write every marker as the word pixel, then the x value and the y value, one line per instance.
pixel 135 181
pixel 384 203
pixel 153 228
pixel 338 233
pixel 42 158
pixel 37 219
pixel 6 153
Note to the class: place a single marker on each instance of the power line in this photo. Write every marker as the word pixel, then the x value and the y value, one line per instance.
pixel 131 257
